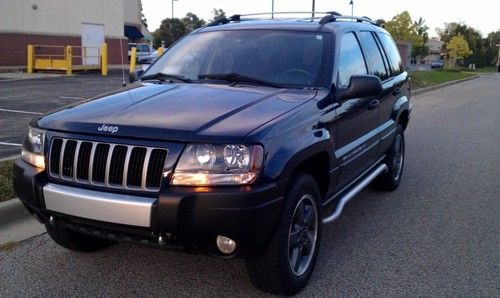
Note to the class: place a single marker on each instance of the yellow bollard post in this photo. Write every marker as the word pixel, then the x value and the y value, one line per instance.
pixel 160 51
pixel 104 59
pixel 31 55
pixel 69 60
pixel 133 56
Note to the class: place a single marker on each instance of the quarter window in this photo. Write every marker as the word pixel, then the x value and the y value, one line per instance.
pixel 375 56
pixel 351 61
pixel 392 53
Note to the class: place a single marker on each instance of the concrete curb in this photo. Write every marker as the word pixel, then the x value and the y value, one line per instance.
pixel 10 158
pixel 442 85
pixel 11 211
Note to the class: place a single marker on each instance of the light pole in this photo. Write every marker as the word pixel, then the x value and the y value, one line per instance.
pixel 173 9
pixel 352 7
pixel 313 8
pixel 272 9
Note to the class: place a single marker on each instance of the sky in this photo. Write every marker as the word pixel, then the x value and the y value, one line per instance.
pixel 482 15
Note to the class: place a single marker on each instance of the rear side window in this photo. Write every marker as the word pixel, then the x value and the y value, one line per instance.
pixel 392 53
pixel 374 55
pixel 351 60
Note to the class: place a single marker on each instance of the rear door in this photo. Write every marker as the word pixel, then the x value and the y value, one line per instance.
pixel 396 87
pixel 378 65
pixel 357 118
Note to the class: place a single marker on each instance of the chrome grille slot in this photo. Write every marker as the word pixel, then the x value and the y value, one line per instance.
pixel 117 165
pixel 99 163
pixel 83 161
pixel 69 155
pixel 55 156
pixel 107 165
pixel 135 166
pixel 155 168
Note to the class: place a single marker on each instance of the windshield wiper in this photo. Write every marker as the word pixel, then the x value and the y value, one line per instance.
pixel 237 78
pixel 165 76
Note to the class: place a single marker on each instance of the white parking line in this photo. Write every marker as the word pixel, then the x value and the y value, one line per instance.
pixel 10 144
pixel 21 112
pixel 70 97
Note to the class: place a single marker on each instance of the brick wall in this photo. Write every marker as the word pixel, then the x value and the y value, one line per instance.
pixel 13 47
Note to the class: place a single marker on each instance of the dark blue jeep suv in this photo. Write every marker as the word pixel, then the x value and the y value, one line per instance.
pixel 241 140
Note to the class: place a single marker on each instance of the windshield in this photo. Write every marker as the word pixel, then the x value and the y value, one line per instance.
pixel 280 57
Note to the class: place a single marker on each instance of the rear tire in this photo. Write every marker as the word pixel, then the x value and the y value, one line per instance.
pixel 286 266
pixel 75 241
pixel 394 160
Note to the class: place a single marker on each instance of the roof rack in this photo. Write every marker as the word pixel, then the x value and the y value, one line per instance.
pixel 334 16
pixel 329 16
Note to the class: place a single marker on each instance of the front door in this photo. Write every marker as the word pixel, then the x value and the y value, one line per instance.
pixel 356 146
pixel 92 39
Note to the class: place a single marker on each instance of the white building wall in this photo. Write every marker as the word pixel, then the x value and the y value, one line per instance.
pixel 61 17
pixel 132 12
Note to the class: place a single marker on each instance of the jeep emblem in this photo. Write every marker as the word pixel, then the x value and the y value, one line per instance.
pixel 108 128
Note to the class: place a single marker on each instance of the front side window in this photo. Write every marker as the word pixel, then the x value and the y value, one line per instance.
pixel 280 57
pixel 351 61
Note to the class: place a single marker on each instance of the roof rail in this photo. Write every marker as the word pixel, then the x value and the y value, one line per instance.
pixel 329 16
pixel 284 12
pixel 333 16
pixel 238 17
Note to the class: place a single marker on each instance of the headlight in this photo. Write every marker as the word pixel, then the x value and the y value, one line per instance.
pixel 32 151
pixel 205 165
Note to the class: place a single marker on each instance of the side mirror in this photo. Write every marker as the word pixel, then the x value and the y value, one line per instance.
pixel 133 76
pixel 361 86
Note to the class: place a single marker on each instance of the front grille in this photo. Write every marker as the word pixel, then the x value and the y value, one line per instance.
pixel 106 164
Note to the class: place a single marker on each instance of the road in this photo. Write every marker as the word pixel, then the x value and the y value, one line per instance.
pixel 437 235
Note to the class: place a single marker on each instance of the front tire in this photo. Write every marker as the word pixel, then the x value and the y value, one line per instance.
pixel 75 241
pixel 394 160
pixel 286 266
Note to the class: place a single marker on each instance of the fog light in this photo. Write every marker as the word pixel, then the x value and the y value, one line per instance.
pixel 226 245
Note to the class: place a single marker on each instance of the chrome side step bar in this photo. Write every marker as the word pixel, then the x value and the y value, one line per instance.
pixel 359 187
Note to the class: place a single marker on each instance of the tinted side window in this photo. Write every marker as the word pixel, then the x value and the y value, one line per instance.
pixel 392 53
pixel 375 56
pixel 351 59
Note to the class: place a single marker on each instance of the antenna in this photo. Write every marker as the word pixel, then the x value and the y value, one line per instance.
pixel 123 70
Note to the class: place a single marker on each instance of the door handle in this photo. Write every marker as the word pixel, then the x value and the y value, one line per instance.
pixel 396 91
pixel 373 104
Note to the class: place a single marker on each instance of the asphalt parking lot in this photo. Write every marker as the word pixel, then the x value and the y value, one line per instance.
pixel 23 100
pixel 436 236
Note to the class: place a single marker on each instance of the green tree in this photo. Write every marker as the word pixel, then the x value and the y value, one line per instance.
pixel 458 49
pixel 218 14
pixel 420 51
pixel 472 36
pixel 170 31
pixel 192 22
pixel 491 49
pixel 403 28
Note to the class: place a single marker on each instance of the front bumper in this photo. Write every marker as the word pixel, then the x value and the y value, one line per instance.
pixel 190 217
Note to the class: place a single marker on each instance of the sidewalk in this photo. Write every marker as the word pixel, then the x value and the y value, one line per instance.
pixel 16 224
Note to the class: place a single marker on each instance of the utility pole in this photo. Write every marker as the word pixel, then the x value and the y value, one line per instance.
pixel 314 5
pixel 173 9
pixel 352 7
pixel 272 9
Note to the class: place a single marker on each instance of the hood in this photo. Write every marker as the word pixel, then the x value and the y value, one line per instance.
pixel 183 112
